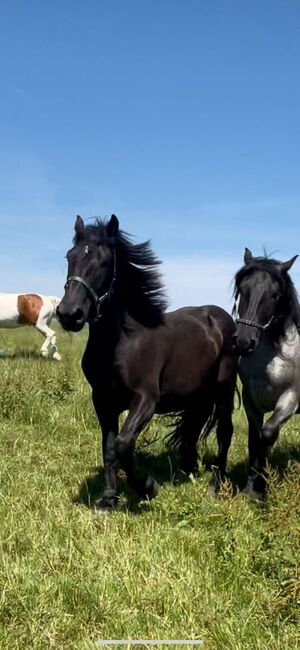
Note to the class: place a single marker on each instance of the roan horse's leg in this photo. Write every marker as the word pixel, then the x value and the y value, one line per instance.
pixel 142 408
pixel 286 406
pixel 255 481
pixel 262 437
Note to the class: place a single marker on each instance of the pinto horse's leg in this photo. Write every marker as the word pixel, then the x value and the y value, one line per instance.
pixel 142 408
pixel 50 336
pixel 108 420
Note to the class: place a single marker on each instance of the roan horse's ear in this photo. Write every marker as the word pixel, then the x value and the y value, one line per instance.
pixel 248 256
pixel 284 267
pixel 79 226
pixel 112 228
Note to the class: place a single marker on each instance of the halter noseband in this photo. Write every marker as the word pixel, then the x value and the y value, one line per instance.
pixel 97 300
pixel 252 323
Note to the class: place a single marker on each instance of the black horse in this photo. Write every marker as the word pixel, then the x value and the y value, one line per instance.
pixel 142 359
pixel 268 340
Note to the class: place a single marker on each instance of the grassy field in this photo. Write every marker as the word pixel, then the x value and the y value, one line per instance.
pixel 185 566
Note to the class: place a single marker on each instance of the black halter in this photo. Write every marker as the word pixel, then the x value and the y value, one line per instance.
pixel 97 300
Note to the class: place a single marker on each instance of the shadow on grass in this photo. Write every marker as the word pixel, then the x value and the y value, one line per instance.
pixel 281 458
pixel 164 468
pixel 24 354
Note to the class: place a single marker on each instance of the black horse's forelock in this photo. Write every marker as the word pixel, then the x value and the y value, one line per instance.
pixel 290 300
pixel 137 274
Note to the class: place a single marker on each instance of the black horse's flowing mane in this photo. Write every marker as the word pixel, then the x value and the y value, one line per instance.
pixel 137 276
pixel 289 304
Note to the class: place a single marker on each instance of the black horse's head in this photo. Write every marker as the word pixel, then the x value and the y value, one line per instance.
pixel 91 273
pixel 266 296
pixel 104 266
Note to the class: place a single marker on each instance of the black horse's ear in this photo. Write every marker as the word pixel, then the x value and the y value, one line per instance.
pixel 112 228
pixel 79 226
pixel 248 256
pixel 284 267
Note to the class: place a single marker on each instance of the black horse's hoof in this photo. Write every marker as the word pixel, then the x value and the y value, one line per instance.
pixel 151 488
pixel 104 506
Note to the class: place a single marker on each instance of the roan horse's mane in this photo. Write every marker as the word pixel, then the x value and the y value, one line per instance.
pixel 137 277
pixel 290 304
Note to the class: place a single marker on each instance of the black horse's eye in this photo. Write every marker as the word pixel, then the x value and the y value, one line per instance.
pixel 275 295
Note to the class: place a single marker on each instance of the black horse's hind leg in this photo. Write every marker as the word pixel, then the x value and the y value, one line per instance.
pixel 224 435
pixel 188 431
pixel 141 410
pixel 108 420
pixel 224 406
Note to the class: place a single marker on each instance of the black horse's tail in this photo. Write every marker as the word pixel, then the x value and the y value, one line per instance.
pixel 196 423
pixel 193 423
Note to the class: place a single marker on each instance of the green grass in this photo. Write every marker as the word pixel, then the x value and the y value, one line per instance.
pixel 183 566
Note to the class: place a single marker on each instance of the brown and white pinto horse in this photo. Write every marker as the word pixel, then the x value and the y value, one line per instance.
pixel 17 310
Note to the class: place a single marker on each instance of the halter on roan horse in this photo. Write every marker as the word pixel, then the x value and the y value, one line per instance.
pixel 267 337
pixel 141 359
pixel 18 310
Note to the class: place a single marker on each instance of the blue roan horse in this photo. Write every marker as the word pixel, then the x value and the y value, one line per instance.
pixel 267 338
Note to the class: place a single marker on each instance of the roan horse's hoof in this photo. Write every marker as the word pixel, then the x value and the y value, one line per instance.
pixel 215 482
pixel 151 488
pixel 104 506
pixel 213 488
pixel 252 494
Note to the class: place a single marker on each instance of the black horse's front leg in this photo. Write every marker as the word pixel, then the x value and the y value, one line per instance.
pixel 108 419
pixel 141 410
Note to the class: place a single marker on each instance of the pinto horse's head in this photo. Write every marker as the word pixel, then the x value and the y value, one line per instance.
pixel 265 295
pixel 91 273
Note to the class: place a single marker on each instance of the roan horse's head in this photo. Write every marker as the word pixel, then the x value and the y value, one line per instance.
pixel 265 294
pixel 91 274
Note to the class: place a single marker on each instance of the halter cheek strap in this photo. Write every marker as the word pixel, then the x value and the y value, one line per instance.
pixel 97 300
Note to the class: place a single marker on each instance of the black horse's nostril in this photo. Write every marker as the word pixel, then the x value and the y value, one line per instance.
pixel 252 345
pixel 70 318
pixel 77 315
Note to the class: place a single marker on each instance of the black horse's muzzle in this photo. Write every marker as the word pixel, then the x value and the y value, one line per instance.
pixel 243 343
pixel 247 335
pixel 71 318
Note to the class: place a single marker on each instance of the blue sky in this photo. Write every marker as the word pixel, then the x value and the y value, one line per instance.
pixel 181 116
